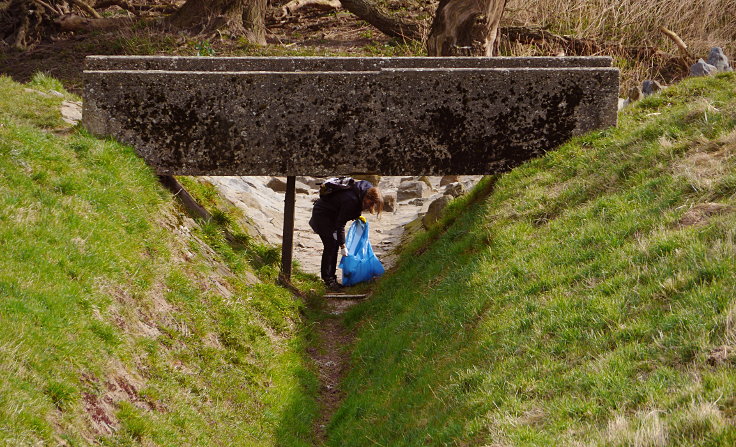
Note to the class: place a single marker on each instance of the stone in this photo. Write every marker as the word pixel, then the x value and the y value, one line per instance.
pixel 277 184
pixel 455 189
pixel 435 210
pixel 37 92
pixel 302 188
pixel 447 179
pixel 412 189
pixel 718 59
pixel 702 68
pixel 389 203
pixel 373 179
pixel 71 112
pixel 426 180
pixel 312 182
pixel 416 202
pixel 320 116
pixel 650 87
pixel 635 94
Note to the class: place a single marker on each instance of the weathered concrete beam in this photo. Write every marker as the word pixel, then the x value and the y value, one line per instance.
pixel 289 64
pixel 392 121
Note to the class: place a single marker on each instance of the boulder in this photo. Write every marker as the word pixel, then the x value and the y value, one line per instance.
pixel 718 59
pixel 447 179
pixel 313 182
pixel 426 180
pixel 635 94
pixel 277 184
pixel 302 188
pixel 412 189
pixel 702 68
pixel 455 189
pixel 71 112
pixel 389 203
pixel 435 210
pixel 650 87
pixel 374 179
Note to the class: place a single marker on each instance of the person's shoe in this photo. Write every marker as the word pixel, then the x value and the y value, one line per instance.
pixel 333 285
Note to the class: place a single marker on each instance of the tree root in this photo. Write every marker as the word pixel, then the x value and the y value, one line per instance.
pixel 390 26
pixel 75 23
pixel 294 5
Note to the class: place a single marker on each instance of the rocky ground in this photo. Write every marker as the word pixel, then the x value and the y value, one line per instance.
pixel 262 200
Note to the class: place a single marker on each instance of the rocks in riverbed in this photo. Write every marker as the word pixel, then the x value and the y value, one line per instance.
pixel 389 203
pixel 455 189
pixel 435 210
pixel 447 179
pixel 277 184
pixel 412 189
pixel 373 179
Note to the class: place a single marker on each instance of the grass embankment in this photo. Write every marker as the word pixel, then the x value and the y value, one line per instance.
pixel 589 299
pixel 121 321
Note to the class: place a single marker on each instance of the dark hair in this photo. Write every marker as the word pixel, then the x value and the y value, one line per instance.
pixel 374 196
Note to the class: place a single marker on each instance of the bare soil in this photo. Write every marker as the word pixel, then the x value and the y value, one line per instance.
pixel 331 356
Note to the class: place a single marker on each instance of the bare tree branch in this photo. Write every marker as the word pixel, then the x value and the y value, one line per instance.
pixel 676 39
pixel 86 8
pixel 388 25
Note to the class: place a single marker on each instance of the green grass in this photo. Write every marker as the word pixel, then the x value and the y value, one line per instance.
pixel 565 304
pixel 114 325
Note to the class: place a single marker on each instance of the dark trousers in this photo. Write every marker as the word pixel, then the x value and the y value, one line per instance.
pixel 329 252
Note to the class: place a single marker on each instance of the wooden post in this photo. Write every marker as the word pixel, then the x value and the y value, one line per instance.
pixel 288 236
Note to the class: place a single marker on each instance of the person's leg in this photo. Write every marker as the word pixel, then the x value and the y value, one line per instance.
pixel 329 256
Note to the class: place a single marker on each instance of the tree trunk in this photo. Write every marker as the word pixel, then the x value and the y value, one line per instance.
pixel 465 28
pixel 238 17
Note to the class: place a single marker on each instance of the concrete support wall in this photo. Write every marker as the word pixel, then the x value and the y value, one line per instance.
pixel 393 116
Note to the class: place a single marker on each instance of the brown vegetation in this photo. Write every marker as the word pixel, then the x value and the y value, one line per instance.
pixel 650 40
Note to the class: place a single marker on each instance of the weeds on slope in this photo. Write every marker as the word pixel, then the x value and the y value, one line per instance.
pixel 118 324
pixel 589 300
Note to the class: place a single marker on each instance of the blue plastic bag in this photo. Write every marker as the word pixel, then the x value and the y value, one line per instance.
pixel 360 264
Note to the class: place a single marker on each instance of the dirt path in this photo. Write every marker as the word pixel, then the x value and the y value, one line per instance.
pixel 331 355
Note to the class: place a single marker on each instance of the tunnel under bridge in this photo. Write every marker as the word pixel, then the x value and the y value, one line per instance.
pixel 289 116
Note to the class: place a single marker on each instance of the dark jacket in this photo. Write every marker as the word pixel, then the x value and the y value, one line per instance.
pixel 332 212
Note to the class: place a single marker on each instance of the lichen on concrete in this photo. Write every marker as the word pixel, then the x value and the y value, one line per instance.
pixel 389 119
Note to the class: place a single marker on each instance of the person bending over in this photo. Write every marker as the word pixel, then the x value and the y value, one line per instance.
pixel 330 214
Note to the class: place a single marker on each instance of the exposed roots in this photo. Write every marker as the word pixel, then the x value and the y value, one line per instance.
pixel 294 5
pixel 23 23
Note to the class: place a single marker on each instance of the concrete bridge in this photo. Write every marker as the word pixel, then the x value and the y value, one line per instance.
pixel 330 116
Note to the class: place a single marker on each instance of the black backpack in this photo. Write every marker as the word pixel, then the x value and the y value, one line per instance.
pixel 334 184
